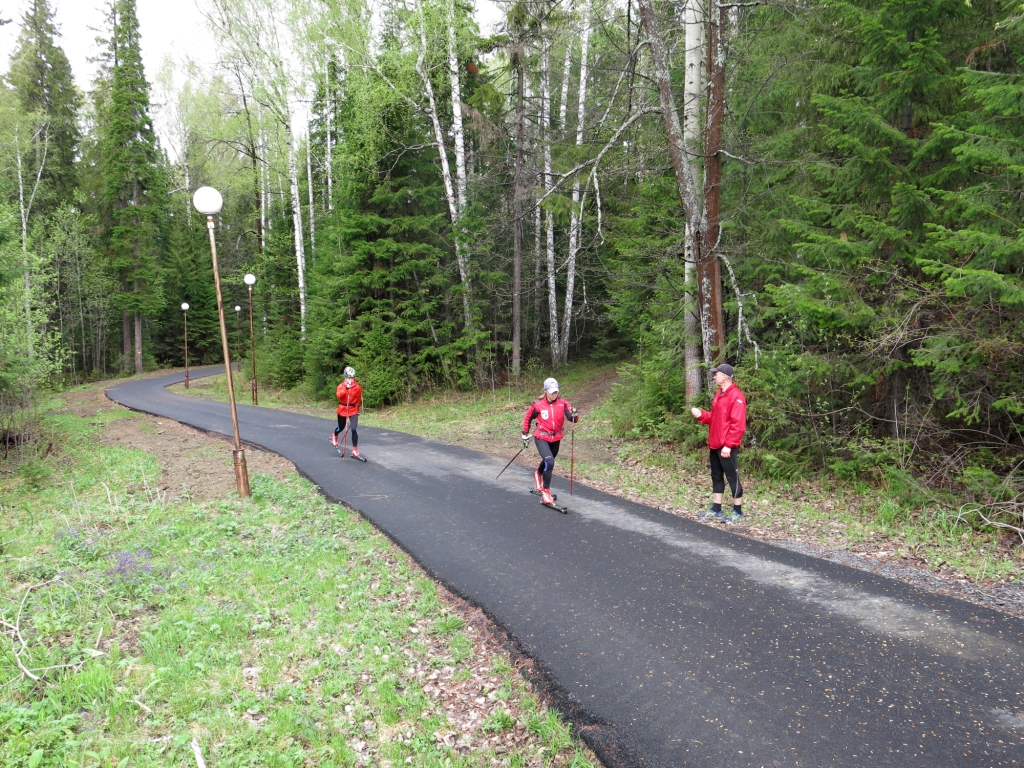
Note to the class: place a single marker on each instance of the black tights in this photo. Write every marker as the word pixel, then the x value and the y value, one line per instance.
pixel 731 471
pixel 548 451
pixel 353 428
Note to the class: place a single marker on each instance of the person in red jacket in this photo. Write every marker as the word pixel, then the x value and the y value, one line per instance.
pixel 728 420
pixel 550 411
pixel 350 400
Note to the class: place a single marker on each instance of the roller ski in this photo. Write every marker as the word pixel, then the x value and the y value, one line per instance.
pixel 357 455
pixel 548 500
pixel 535 492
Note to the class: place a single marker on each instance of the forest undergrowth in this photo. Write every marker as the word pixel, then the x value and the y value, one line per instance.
pixel 141 629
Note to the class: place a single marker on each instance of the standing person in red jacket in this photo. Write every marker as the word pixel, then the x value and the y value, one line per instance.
pixel 550 411
pixel 728 420
pixel 350 400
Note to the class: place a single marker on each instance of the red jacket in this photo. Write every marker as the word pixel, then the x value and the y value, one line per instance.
pixel 550 418
pixel 728 418
pixel 349 398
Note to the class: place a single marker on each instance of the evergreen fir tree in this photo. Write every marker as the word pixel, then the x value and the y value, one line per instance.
pixel 42 80
pixel 133 182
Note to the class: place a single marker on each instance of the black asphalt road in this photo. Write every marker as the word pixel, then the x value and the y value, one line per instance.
pixel 678 643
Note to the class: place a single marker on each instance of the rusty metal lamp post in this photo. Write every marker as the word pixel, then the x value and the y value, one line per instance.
pixel 250 281
pixel 208 202
pixel 184 308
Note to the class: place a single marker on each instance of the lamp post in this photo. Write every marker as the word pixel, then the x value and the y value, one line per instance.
pixel 208 202
pixel 250 281
pixel 184 308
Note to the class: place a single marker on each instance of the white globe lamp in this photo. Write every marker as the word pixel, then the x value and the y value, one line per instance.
pixel 207 201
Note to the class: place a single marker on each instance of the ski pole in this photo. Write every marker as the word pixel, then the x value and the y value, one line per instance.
pixel 510 462
pixel 572 456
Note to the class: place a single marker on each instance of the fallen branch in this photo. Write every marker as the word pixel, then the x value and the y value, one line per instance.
pixel 200 763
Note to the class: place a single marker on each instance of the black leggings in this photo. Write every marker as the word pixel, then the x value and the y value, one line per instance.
pixel 353 427
pixel 548 451
pixel 730 469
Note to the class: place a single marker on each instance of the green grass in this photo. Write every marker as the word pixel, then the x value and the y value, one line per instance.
pixel 275 631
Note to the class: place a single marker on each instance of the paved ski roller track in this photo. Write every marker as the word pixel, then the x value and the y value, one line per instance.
pixel 671 643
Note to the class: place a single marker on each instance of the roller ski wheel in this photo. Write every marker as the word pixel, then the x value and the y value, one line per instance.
pixel 535 492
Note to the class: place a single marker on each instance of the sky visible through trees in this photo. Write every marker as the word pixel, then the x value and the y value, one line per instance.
pixel 827 195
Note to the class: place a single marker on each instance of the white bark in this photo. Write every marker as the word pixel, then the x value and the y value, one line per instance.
pixel 693 87
pixel 24 211
pixel 566 66
pixel 300 253
pixel 312 206
pixel 446 174
pixel 458 133
pixel 545 121
pixel 576 222
pixel 330 143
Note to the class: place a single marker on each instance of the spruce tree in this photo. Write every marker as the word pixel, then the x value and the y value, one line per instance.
pixel 41 77
pixel 133 182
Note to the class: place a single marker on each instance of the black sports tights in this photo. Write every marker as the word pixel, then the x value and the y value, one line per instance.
pixel 353 428
pixel 548 451
pixel 730 469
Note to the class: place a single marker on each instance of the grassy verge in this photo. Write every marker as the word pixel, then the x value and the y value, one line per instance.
pixel 276 631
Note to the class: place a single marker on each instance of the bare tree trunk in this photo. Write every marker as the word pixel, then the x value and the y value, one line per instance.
pixel 446 174
pixel 576 221
pixel 517 215
pixel 126 332
pixel 138 340
pixel 693 85
pixel 566 68
pixel 685 159
pixel 329 164
pixel 709 277
pixel 300 252
pixel 312 206
pixel 252 149
pixel 25 209
pixel 545 121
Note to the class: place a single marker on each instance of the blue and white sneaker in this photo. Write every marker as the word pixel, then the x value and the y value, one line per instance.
pixel 712 515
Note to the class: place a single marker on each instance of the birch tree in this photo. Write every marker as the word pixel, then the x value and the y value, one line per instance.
pixel 250 32
pixel 576 221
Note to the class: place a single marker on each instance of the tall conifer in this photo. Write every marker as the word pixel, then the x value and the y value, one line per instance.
pixel 133 181
pixel 41 76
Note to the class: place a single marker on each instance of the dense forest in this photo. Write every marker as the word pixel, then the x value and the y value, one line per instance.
pixel 825 194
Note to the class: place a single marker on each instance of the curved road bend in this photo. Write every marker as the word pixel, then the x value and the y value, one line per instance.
pixel 673 643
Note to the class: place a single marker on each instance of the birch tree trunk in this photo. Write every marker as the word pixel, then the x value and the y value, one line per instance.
pixel 458 132
pixel 300 252
pixel 709 276
pixel 312 206
pixel 329 165
pixel 576 221
pixel 545 121
pixel 517 214
pixel 693 85
pixel 446 174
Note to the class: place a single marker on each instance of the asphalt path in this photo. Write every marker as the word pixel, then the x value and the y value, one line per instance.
pixel 670 642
